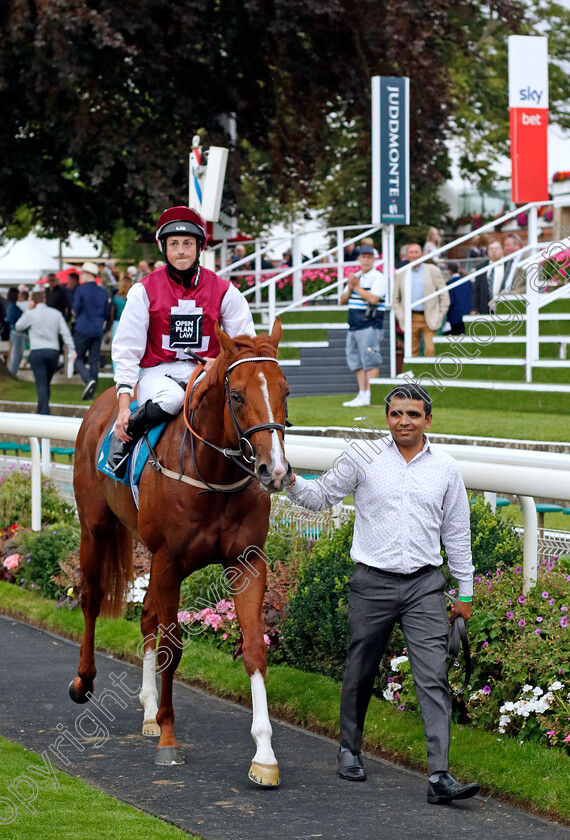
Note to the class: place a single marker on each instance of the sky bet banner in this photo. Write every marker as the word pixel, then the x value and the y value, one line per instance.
pixel 390 150
pixel 528 107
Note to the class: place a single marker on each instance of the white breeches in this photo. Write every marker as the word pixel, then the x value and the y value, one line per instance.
pixel 156 385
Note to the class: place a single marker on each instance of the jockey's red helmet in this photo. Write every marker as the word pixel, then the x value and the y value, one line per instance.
pixel 178 221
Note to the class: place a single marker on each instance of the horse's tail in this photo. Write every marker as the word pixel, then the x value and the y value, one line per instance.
pixel 117 571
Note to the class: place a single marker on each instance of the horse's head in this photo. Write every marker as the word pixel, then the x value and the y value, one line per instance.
pixel 255 402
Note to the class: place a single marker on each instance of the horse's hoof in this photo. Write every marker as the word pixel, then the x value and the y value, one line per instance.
pixel 264 775
pixel 151 728
pixel 74 694
pixel 168 756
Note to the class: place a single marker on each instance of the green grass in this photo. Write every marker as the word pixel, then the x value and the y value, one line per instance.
pixel 486 414
pixel 528 775
pixel 73 809
pixel 20 390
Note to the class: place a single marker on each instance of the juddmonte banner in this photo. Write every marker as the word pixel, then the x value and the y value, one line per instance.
pixel 390 150
pixel 528 108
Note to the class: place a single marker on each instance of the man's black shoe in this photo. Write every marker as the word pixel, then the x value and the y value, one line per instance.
pixel 447 789
pixel 350 766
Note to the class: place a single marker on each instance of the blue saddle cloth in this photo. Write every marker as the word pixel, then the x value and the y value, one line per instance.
pixel 137 457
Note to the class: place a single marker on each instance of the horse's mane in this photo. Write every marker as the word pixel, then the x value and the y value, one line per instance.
pixel 258 345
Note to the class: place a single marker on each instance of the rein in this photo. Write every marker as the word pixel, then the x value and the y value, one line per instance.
pixel 233 454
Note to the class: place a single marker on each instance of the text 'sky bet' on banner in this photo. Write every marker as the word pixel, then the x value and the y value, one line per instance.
pixel 390 150
pixel 528 108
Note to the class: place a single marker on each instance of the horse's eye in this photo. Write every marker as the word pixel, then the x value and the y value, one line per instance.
pixel 236 397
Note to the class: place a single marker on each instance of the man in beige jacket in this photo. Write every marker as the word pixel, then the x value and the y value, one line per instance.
pixel 426 317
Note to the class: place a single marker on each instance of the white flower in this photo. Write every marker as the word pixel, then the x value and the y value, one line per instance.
pixel 137 590
pixel 507 707
pixel 537 691
pixel 504 720
pixel 526 688
pixel 397 661
pixel 389 692
pixel 556 686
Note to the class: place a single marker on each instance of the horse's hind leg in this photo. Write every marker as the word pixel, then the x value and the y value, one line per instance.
pixel 248 598
pixel 105 559
pixel 90 560
pixel 149 693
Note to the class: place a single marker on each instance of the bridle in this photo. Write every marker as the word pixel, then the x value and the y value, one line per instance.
pixel 245 449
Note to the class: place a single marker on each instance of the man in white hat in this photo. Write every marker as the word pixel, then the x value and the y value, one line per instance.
pixel 91 307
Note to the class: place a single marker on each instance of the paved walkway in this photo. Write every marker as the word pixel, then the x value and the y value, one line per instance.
pixel 210 794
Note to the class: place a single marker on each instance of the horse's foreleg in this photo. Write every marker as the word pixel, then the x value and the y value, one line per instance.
pixel 264 769
pixel 165 596
pixel 149 692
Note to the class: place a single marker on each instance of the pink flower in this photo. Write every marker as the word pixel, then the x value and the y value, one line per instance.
pixel 485 644
pixel 545 594
pixel 266 639
pixel 12 561
pixel 486 689
pixel 518 570
pixel 567 739
pixel 551 733
pixel 522 599
pixel 551 602
pixel 522 622
pixel 224 635
pixel 563 621
pixel 539 618
pixel 510 614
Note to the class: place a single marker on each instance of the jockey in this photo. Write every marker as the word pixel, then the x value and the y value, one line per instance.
pixel 172 308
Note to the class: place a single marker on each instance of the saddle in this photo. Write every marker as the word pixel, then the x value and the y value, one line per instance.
pixel 137 458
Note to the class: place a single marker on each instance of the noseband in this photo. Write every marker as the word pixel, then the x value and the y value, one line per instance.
pixel 244 435
pixel 245 449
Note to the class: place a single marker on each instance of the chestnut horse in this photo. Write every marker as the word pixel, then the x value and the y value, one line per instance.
pixel 216 513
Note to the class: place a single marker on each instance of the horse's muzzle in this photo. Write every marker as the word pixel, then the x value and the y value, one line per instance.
pixel 276 480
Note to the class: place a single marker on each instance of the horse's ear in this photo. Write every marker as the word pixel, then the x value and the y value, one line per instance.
pixel 227 344
pixel 276 333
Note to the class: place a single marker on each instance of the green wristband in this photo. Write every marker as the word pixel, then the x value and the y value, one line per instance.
pixel 466 599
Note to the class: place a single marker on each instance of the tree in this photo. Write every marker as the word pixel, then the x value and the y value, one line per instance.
pixel 101 100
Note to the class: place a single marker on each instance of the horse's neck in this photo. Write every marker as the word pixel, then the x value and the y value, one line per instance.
pixel 208 422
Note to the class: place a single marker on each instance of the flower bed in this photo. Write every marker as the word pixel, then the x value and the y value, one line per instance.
pixel 313 280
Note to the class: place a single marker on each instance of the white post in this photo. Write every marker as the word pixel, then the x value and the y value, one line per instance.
pixel 46 455
pixel 272 303
pixel 407 312
pixel 36 473
pixel 530 547
pixel 533 228
pixel 340 261
pixel 491 498
pixel 257 293
pixel 296 259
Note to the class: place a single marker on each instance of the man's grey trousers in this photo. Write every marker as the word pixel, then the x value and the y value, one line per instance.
pixel 377 601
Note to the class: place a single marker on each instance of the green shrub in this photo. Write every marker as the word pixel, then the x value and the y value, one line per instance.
pixel 314 633
pixel 494 542
pixel 16 501
pixel 42 554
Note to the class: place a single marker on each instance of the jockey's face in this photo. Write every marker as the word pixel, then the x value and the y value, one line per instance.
pixel 181 251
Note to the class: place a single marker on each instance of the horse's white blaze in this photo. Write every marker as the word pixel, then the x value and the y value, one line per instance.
pixel 279 468
pixel 149 693
pixel 260 726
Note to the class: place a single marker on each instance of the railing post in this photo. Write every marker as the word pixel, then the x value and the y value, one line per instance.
pixel 36 472
pixel 272 302
pixel 408 312
pixel 340 261
pixel 257 293
pixel 530 546
pixel 296 258
pixel 533 227
pixel 46 455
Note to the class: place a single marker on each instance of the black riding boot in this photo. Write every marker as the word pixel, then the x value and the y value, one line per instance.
pixel 144 418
